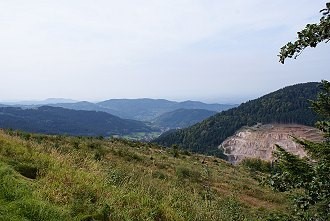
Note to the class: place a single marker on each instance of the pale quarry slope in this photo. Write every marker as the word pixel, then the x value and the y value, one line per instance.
pixel 259 141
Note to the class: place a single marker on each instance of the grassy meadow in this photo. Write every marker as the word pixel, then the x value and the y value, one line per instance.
pixel 78 178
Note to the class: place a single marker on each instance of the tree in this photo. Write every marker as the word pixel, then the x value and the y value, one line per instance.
pixel 310 36
pixel 308 177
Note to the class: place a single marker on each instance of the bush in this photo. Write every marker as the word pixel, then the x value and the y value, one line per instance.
pixel 257 165
pixel 159 175
pixel 186 173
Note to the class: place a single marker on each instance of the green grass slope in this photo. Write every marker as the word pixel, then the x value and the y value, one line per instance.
pixel 287 105
pixel 70 178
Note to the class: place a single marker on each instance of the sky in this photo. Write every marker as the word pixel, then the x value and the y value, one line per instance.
pixel 207 50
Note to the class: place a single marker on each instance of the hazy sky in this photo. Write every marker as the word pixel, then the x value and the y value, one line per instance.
pixel 209 50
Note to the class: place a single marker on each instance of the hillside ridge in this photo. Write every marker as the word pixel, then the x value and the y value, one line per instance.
pixel 287 105
pixel 57 120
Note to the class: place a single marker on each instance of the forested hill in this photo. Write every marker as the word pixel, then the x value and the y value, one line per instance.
pixel 287 105
pixel 56 120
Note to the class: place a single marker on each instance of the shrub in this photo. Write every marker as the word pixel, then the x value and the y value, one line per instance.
pixel 159 175
pixel 257 165
pixel 186 173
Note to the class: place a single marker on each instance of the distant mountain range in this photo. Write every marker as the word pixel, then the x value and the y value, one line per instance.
pixel 148 109
pixel 42 102
pixel 88 106
pixel 144 109
pixel 287 105
pixel 181 118
pixel 56 120
pixel 67 117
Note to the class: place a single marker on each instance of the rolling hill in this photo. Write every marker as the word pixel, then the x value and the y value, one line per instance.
pixel 181 118
pixel 85 105
pixel 56 120
pixel 287 105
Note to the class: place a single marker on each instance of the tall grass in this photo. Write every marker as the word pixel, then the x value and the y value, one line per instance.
pixel 70 178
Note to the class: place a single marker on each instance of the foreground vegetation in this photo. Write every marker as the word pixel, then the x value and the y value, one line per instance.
pixel 69 178
pixel 310 175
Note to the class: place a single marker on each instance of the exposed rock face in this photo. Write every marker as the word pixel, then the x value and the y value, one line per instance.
pixel 259 141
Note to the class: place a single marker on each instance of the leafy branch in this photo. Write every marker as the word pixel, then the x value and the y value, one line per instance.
pixel 310 36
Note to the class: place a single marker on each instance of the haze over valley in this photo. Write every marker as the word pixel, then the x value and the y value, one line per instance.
pixel 118 117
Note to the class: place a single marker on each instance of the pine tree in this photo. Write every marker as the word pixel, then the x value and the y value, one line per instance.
pixel 310 175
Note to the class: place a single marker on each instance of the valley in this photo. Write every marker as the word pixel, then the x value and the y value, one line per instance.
pixel 76 161
pixel 195 129
pixel 137 119
pixel 164 110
